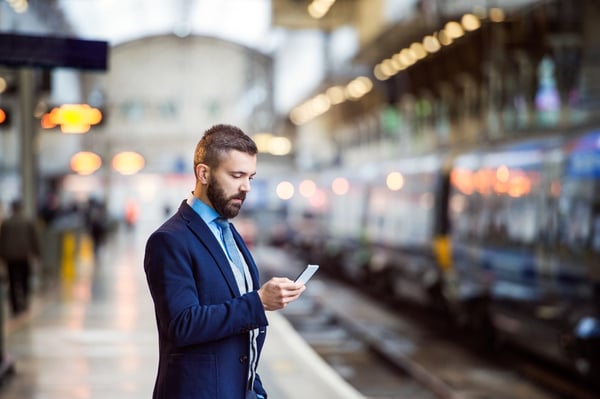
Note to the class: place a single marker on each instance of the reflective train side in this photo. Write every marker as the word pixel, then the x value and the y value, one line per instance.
pixel 504 239
pixel 526 245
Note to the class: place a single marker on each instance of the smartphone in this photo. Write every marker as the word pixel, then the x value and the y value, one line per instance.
pixel 307 274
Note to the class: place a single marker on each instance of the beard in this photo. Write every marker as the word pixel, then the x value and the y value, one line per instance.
pixel 221 202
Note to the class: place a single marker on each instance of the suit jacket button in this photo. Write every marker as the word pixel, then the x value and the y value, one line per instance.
pixel 243 359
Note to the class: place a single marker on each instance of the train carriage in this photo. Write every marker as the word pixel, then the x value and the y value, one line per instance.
pixel 524 229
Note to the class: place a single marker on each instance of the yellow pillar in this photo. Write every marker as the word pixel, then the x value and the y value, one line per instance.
pixel 67 262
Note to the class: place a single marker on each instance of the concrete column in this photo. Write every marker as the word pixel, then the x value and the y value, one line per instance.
pixel 27 142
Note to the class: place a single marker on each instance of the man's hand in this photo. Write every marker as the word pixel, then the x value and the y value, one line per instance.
pixel 278 292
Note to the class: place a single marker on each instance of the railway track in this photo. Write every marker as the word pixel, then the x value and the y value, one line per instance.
pixel 387 353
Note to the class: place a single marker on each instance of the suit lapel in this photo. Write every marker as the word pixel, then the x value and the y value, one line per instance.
pixel 206 237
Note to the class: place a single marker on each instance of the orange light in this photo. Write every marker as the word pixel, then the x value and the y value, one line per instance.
pixel 463 180
pixel 72 118
pixel 128 163
pixel 85 162
pixel 2 116
pixel 46 122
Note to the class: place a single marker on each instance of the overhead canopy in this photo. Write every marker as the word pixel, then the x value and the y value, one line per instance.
pixel 50 52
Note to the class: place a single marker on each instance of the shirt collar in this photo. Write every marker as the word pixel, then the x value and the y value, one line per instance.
pixel 207 213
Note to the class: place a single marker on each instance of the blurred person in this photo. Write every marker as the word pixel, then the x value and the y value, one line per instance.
pixel 96 221
pixel 19 247
pixel 209 306
pixel 131 213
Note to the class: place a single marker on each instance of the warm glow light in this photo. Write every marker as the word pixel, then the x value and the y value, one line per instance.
pixel 19 6
pixel 407 57
pixel 394 181
pixel 323 102
pixel 85 162
pixel 128 163
pixel 285 190
pixel 418 50
pixel 380 73
pixel 336 95
pixel 431 44
pixel 502 174
pixel 307 188
pixel 2 116
pixel 280 146
pixel 454 30
pixel 470 22
pixel 73 118
pixel 318 8
pixel 340 186
pixel 497 14
pixel 519 186
pixel 462 179
pixel 483 180
pixel 444 39
pixel 266 142
pixel 359 87
pixel 262 141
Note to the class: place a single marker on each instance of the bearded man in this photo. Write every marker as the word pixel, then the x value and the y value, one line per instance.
pixel 209 306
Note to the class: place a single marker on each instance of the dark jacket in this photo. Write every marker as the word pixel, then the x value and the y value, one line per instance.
pixel 203 322
pixel 18 239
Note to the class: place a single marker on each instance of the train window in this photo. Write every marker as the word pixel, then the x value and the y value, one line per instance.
pixel 521 221
pixel 575 212
pixel 463 214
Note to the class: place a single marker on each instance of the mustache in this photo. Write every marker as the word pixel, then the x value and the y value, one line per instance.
pixel 240 196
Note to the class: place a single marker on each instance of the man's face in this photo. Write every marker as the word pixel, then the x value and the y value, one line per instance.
pixel 230 181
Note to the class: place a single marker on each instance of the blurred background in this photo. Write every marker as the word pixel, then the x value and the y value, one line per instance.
pixel 445 152
pixel 318 84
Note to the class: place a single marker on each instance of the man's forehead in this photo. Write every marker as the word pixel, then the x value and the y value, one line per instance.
pixel 238 161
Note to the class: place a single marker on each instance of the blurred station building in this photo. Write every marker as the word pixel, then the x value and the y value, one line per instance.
pixel 318 84
pixel 442 150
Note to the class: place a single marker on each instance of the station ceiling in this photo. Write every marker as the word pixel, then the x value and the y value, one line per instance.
pixel 254 23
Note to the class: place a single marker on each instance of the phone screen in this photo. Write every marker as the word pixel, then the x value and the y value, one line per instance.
pixel 308 272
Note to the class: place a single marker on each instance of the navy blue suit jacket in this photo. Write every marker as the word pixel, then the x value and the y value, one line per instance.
pixel 203 321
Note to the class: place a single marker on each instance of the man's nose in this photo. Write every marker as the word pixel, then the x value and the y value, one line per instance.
pixel 245 185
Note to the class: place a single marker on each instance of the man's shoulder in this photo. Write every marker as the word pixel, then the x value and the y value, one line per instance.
pixel 174 225
pixel 179 223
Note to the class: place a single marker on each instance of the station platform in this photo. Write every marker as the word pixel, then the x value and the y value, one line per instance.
pixel 93 336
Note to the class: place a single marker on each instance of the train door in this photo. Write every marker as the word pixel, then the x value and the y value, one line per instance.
pixel 463 281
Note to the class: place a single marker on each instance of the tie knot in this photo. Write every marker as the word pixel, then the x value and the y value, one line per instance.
pixel 223 223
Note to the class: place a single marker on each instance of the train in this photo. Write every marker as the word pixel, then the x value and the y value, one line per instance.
pixel 504 238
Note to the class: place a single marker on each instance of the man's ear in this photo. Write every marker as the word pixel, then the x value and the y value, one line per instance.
pixel 202 173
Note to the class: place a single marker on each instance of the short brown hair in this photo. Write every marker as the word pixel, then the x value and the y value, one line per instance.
pixel 219 140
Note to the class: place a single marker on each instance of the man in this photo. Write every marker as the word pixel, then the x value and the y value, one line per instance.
pixel 19 246
pixel 210 309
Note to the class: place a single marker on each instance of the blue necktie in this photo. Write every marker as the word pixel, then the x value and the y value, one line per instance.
pixel 230 245
pixel 234 256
